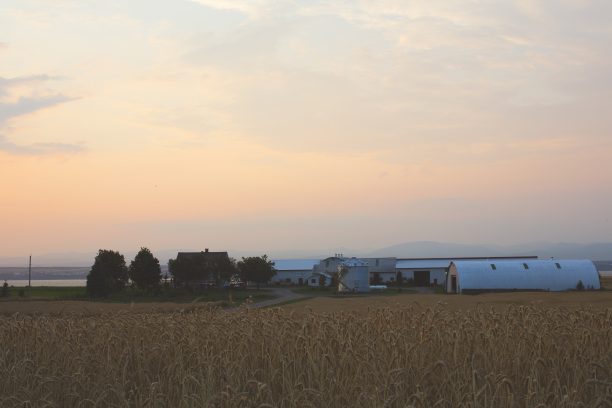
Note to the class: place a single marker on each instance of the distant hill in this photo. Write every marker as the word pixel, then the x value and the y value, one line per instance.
pixel 418 249
pixel 424 249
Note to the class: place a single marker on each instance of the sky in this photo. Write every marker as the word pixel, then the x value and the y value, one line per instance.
pixel 274 125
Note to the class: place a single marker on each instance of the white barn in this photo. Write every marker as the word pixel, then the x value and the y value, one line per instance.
pixel 432 271
pixel 293 271
pixel 536 275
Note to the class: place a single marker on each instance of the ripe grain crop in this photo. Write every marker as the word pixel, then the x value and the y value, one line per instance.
pixel 520 357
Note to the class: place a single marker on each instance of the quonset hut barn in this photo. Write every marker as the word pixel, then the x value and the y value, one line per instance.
pixel 536 275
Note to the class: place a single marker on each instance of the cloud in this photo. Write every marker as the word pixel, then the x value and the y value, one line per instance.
pixel 390 74
pixel 12 109
pixel 26 105
pixel 37 148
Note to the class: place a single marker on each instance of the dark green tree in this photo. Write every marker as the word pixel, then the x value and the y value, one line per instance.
pixel 144 270
pixel 221 269
pixel 108 274
pixel 258 269
pixel 183 270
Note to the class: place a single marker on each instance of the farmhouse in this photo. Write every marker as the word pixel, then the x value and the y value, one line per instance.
pixel 432 271
pixel 533 274
pixel 200 267
pixel 293 271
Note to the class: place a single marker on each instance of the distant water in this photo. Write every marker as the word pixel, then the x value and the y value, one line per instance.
pixel 20 283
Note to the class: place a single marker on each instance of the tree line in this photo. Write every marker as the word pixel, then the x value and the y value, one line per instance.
pixel 110 273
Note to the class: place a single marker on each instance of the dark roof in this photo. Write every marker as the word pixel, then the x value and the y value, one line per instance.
pixel 202 254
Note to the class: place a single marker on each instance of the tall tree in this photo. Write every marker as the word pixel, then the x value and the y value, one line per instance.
pixel 222 269
pixel 144 270
pixel 183 270
pixel 258 269
pixel 108 274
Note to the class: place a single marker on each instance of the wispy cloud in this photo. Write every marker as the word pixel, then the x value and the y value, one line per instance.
pixel 37 148
pixel 13 109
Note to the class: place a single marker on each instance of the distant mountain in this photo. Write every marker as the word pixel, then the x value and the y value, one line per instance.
pixel 418 249
pixel 432 249
pixel 425 249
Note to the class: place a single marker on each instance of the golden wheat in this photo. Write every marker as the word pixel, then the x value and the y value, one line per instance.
pixel 522 356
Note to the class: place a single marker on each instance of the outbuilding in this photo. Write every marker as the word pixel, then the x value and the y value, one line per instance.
pixel 353 276
pixel 293 271
pixel 432 271
pixel 521 275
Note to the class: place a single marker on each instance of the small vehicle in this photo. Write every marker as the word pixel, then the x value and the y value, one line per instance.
pixel 237 284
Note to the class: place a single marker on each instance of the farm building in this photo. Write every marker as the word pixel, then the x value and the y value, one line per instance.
pixel 293 271
pixel 353 276
pixel 432 271
pixel 200 268
pixel 508 275
pixel 379 269
pixel 314 279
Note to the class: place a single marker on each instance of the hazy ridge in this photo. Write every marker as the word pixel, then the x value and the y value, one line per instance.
pixel 76 265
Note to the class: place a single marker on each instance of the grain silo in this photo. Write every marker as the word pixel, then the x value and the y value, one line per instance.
pixel 521 275
pixel 353 276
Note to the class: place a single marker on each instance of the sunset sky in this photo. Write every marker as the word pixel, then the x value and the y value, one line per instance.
pixel 273 125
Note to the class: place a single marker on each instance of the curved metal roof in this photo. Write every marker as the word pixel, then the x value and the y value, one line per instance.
pixel 553 275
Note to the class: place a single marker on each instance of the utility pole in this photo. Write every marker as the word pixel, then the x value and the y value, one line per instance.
pixel 30 273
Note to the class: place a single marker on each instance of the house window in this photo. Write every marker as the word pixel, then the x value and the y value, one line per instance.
pixel 525 266
pixel 493 267
pixel 377 262
pixel 327 263
pixel 313 281
pixel 558 265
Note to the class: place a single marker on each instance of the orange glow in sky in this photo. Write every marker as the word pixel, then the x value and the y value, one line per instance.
pixel 300 125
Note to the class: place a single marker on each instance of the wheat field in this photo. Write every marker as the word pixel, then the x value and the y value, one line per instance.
pixel 522 356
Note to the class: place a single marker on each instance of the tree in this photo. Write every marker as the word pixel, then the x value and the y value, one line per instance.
pixel 108 274
pixel 221 269
pixel 322 281
pixel 144 270
pixel 258 269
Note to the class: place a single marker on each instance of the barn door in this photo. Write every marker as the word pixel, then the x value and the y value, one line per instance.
pixel 421 278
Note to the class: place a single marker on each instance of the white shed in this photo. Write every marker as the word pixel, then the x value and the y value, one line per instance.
pixel 353 276
pixel 536 275
pixel 293 271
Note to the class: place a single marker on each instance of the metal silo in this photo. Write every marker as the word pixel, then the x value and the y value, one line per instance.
pixel 353 276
